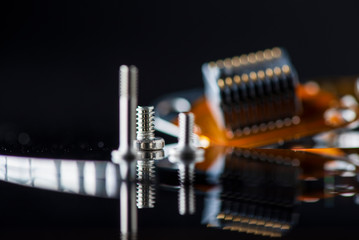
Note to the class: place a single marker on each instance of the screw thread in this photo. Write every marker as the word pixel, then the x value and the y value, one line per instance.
pixel 145 184
pixel 145 170
pixel 145 122
pixel 186 123
pixel 186 197
pixel 186 173
pixel 128 103
pixel 128 81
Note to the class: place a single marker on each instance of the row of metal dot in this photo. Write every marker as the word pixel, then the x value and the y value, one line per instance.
pixel 251 58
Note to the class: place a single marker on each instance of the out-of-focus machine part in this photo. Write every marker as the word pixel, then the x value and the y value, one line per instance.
pixel 257 196
pixel 257 100
pixel 252 93
pixel 125 156
pixel 258 191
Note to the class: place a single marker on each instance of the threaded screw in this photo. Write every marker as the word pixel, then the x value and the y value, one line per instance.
pixel 149 149
pixel 146 139
pixel 145 122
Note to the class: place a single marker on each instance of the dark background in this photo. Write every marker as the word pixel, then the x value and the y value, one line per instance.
pixel 59 59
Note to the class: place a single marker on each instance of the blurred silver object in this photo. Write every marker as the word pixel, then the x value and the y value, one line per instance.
pixel 186 152
pixel 185 155
pixel 125 156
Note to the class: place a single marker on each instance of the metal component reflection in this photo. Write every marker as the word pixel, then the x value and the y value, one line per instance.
pixel 255 196
pixel 185 155
pixel 68 176
pixel 186 195
pixel 146 183
pixel 128 210
pixel 146 176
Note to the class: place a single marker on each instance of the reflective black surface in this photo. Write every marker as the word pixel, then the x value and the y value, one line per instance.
pixel 251 194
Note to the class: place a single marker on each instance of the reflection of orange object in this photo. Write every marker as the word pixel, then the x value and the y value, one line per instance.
pixel 330 152
pixel 309 165
pixel 311 122
pixel 311 161
pixel 211 155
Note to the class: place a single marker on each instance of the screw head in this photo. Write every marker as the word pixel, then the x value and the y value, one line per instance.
pixel 156 143
pixel 150 155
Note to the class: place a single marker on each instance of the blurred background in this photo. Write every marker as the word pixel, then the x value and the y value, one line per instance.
pixel 59 59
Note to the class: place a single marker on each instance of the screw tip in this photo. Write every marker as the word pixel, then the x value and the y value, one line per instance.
pixel 123 68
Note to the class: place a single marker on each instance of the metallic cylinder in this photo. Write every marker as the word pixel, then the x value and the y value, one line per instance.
pixel 128 103
pixel 186 123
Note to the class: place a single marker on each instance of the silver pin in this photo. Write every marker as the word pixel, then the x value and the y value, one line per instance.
pixel 125 156
pixel 127 129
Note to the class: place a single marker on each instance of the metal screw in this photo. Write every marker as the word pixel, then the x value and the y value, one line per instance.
pixel 185 156
pixel 149 149
pixel 125 156
pixel 146 139
pixel 127 129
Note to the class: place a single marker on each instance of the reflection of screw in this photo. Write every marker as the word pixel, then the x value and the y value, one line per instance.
pixel 186 155
pixel 186 196
pixel 146 177
pixel 146 139
pixel 145 184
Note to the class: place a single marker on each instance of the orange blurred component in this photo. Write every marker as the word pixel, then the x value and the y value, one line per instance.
pixel 311 122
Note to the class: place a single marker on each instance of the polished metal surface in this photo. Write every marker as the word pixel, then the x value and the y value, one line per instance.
pixel 259 192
